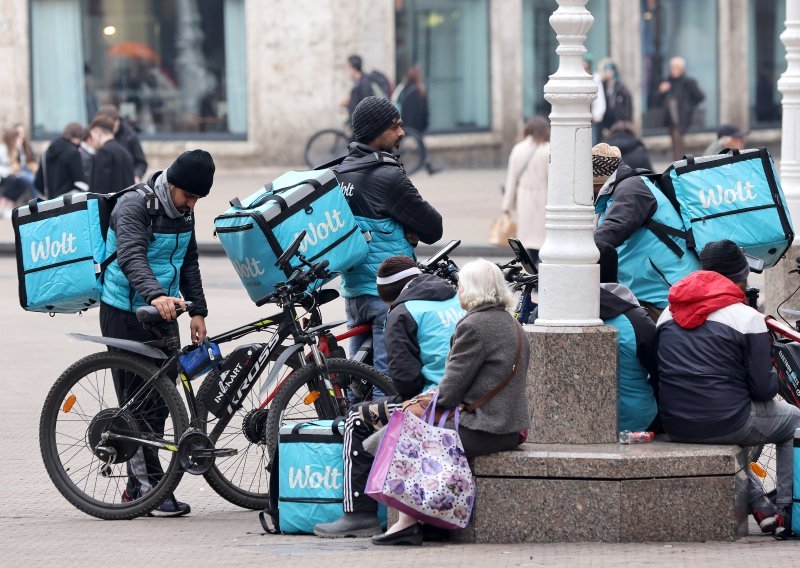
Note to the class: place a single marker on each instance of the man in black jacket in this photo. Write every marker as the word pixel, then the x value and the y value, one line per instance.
pixel 126 136
pixel 388 209
pixel 716 381
pixel 112 167
pixel 152 233
pixel 423 316
pixel 61 168
pixel 680 95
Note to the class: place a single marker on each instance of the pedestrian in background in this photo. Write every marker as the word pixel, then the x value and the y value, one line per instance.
pixel 112 168
pixel 61 170
pixel 411 98
pixel 728 136
pixel 634 153
pixel 598 104
pixel 87 155
pixel 125 134
pixel 16 178
pixel 680 96
pixel 619 103
pixel 526 184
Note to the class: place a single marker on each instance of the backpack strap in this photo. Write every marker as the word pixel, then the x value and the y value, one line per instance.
pixel 369 161
pixel 664 232
pixel 152 205
pixel 496 390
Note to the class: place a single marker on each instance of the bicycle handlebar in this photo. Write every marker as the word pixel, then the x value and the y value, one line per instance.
pixel 296 284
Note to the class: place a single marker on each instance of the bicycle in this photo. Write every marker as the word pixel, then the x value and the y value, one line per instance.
pixel 785 337
pixel 330 143
pixel 93 435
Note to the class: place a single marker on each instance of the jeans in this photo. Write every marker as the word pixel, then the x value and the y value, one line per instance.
pixel 371 310
pixel 770 422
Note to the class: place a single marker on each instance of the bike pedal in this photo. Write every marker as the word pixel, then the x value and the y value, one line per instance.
pixel 225 452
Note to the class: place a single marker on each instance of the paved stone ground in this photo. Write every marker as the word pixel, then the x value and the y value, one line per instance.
pixel 38 527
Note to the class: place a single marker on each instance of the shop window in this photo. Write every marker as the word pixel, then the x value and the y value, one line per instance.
pixel 175 68
pixel 539 58
pixel 767 61
pixel 671 28
pixel 449 40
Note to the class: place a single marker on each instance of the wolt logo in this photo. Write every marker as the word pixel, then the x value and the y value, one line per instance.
pixel 731 195
pixel 49 249
pixel 248 267
pixel 321 231
pixel 305 478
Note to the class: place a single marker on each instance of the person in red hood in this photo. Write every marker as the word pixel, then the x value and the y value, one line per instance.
pixel 716 381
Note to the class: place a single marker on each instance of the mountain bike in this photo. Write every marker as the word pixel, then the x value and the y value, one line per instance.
pixel 330 143
pixel 96 436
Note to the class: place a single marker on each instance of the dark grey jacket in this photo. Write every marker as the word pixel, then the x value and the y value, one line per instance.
pixel 481 356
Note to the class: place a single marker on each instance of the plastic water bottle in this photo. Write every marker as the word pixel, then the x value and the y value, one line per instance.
pixel 628 437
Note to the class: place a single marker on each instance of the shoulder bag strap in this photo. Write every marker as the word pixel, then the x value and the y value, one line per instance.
pixel 496 390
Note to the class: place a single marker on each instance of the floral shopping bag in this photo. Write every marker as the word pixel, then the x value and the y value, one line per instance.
pixel 421 469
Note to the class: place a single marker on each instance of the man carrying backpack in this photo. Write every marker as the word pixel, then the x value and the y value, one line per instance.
pixel 152 233
pixel 389 210
pixel 365 84
pixel 637 219
pixel 423 316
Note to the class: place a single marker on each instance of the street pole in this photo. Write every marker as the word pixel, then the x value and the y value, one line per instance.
pixel 789 86
pixel 569 293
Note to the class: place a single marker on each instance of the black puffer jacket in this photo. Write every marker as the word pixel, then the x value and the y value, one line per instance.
pixel 62 169
pixel 126 136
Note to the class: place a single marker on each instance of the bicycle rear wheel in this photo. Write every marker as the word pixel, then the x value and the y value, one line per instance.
pixel 304 396
pixel 324 146
pixel 84 407
pixel 413 154
pixel 242 479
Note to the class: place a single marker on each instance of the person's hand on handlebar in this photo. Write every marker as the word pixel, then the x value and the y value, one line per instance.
pixel 166 306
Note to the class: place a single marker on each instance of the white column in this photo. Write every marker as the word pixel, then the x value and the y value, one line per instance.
pixel 569 290
pixel 789 85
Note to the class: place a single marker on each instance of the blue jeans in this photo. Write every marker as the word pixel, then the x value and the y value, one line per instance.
pixel 770 422
pixel 371 310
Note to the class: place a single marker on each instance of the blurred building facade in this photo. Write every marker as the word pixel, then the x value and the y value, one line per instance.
pixel 252 79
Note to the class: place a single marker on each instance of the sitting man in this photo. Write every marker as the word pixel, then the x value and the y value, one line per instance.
pixel 423 314
pixel 716 382
pixel 637 219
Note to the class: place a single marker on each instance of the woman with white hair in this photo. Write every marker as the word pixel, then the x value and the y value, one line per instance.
pixel 486 372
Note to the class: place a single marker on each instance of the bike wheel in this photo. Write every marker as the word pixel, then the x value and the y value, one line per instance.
pixel 413 154
pixel 242 479
pixel 303 397
pixel 765 469
pixel 82 406
pixel 325 146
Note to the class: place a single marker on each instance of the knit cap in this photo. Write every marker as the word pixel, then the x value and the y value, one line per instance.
pixel 605 161
pixel 726 258
pixel 393 275
pixel 193 171
pixel 372 117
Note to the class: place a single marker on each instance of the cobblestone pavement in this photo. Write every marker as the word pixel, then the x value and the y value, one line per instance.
pixel 38 527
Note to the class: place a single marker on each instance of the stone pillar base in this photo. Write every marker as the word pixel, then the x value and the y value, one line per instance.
pixel 779 284
pixel 658 492
pixel 572 385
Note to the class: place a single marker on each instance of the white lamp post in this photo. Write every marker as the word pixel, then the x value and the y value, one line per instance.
pixel 569 292
pixel 789 85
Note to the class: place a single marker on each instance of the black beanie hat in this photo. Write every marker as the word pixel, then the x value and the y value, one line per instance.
pixel 372 117
pixel 726 258
pixel 193 171
pixel 393 275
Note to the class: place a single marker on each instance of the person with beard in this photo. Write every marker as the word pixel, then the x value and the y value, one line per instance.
pixel 152 233
pixel 388 209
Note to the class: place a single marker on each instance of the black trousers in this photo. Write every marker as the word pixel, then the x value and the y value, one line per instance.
pixel 144 468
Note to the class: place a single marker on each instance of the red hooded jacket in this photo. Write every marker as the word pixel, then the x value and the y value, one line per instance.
pixel 695 297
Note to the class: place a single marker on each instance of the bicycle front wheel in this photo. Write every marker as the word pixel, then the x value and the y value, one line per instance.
pixel 324 146
pixel 243 479
pixel 413 154
pixel 109 436
pixel 306 395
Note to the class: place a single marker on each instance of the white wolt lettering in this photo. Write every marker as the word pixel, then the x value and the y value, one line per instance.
pixel 50 249
pixel 321 231
pixel 738 193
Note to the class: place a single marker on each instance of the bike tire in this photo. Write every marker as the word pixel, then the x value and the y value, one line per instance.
pixel 324 146
pixel 413 153
pixel 83 387
pixel 296 390
pixel 242 479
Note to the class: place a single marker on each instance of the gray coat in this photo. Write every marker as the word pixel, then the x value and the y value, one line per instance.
pixel 481 355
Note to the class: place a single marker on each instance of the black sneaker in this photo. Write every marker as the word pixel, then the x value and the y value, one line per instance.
pixel 171 507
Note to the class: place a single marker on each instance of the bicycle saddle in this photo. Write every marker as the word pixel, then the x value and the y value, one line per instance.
pixel 149 314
